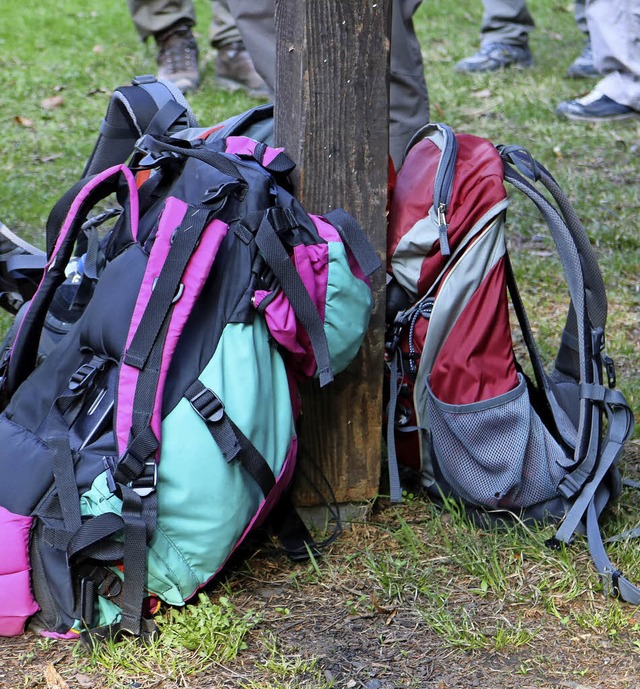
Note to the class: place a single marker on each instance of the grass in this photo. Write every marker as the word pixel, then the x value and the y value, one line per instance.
pixel 416 595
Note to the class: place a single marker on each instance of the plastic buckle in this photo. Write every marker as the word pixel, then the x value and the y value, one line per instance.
pixel 82 376
pixel 141 485
pixel 610 368
pixel 144 79
pixel 208 406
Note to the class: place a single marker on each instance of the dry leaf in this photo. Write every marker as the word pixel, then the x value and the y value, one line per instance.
pixel 84 681
pixel 98 49
pixel 53 678
pixel 52 103
pixel 22 121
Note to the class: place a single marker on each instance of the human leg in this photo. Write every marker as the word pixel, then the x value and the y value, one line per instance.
pixel 153 17
pixel 408 96
pixel 614 27
pixel 234 66
pixel 504 38
pixel 170 22
pixel 582 67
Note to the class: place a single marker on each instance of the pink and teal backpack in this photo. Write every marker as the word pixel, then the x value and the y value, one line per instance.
pixel 150 382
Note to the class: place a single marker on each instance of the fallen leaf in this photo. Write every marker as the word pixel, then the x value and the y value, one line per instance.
pixel 23 121
pixel 84 681
pixel 52 103
pixel 98 49
pixel 53 678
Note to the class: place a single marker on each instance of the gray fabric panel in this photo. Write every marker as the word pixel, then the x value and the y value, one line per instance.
pixel 496 453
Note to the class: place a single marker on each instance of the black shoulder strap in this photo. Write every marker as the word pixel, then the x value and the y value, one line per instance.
pixel 146 105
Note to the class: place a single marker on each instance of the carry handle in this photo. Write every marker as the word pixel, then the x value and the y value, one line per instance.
pixel 24 352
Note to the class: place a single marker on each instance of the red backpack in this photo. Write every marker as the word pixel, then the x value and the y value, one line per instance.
pixel 478 422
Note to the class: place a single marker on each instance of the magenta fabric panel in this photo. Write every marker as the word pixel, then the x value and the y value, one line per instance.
pixel 172 215
pixel 17 603
pixel 194 277
pixel 88 188
pixel 312 263
pixel 244 146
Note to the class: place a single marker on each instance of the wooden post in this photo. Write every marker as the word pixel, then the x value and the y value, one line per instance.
pixel 332 116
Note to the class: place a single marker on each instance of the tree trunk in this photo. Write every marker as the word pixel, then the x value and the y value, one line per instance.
pixel 332 116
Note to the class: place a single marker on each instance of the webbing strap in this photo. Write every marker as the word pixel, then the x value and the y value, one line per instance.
pixel 395 380
pixel 620 424
pixel 277 258
pixel 229 438
pixel 353 236
pixel 156 146
pixel 185 240
pixel 135 560
pixel 618 585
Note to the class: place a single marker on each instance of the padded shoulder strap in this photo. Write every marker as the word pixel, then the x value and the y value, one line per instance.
pixel 146 105
pixel 25 347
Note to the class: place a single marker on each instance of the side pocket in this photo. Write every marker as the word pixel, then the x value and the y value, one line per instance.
pixel 17 603
pixel 496 453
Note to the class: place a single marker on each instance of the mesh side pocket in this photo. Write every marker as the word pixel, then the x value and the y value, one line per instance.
pixel 496 453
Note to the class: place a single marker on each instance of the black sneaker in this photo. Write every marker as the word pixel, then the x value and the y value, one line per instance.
pixel 595 107
pixel 178 58
pixel 582 67
pixel 494 56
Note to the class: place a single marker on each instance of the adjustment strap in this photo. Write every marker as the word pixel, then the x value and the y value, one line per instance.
pixel 166 290
pixel 277 258
pixel 353 236
pixel 229 438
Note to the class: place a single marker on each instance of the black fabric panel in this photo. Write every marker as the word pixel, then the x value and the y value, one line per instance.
pixel 25 467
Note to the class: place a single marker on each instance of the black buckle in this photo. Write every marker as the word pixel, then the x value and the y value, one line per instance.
pixel 146 483
pixel 610 368
pixel 208 406
pixel 82 375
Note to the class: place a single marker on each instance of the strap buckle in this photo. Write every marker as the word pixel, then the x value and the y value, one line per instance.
pixel 83 375
pixel 146 483
pixel 208 406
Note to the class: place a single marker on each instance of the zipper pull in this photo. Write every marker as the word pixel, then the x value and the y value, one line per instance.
pixel 443 229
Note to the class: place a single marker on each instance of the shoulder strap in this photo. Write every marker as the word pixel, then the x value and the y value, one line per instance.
pixel 146 105
pixel 24 351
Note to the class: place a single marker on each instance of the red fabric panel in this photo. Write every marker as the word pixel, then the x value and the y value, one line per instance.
pixel 477 361
pixel 477 187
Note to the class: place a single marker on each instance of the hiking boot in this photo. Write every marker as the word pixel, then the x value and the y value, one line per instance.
pixel 235 70
pixel 595 107
pixel 582 67
pixel 494 56
pixel 178 58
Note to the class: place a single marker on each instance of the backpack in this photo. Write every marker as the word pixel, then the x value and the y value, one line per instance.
pixel 480 423
pixel 159 430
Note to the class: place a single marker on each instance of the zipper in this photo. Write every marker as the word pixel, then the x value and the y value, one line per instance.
pixel 443 185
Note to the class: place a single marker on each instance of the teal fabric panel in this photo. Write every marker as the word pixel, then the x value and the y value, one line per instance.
pixel 347 309
pixel 205 504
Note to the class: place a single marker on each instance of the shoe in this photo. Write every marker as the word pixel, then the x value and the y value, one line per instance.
pixel 494 56
pixel 235 70
pixel 178 58
pixel 595 107
pixel 582 67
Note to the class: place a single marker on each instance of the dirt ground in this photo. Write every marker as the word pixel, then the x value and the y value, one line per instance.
pixel 360 641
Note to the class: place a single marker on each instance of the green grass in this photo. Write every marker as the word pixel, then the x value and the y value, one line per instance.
pixel 467 590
